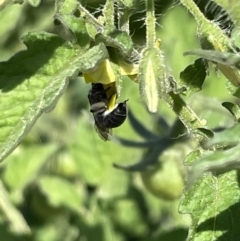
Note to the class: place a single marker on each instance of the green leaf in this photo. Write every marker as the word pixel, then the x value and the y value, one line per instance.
pixel 33 80
pixel 69 196
pixel 233 109
pixel 74 29
pixel 227 137
pixel 233 90
pixel 117 39
pixel 66 7
pixel 228 63
pixel 213 203
pixel 212 161
pixel 194 75
pixel 204 132
pixel 230 59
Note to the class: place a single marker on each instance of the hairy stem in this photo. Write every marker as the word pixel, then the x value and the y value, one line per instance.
pixel 150 23
pixel 108 13
pixel 90 18
pixel 185 114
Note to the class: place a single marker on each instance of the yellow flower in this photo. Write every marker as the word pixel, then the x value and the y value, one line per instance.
pixel 108 74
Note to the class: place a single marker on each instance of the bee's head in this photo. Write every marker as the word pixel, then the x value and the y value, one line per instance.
pixel 97 94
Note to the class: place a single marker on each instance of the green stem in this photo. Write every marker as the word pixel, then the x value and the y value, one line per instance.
pixel 150 24
pixel 90 18
pixel 194 10
pixel 185 114
pixel 123 20
pixel 108 13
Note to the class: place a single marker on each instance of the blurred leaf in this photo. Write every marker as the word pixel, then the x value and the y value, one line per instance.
pixel 34 3
pixel 108 188
pixel 69 197
pixel 194 75
pixel 23 19
pixel 24 165
pixel 90 154
pixel 97 225
pixel 18 225
pixel 36 78
pixel 12 12
pixel 126 214
pixel 177 234
pixel 171 31
pixel 51 230
pixel 6 234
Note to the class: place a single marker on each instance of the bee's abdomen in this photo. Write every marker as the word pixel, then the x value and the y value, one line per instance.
pixel 116 117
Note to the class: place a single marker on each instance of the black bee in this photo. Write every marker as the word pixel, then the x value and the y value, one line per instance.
pixel 105 119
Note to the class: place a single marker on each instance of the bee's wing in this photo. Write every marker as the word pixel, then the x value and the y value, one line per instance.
pixel 104 133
